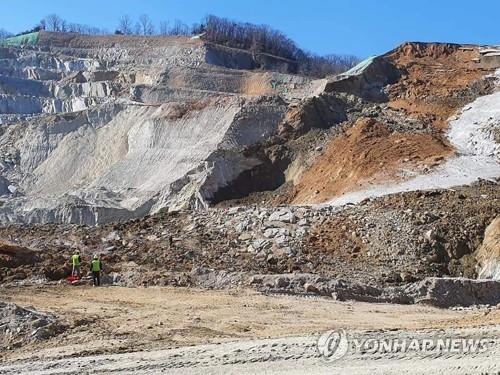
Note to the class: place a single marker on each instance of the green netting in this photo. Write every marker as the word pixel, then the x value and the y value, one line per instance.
pixel 358 69
pixel 30 39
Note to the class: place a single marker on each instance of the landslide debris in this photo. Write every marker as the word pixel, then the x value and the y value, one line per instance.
pixel 436 291
pixel 20 326
pixel 368 153
pixel 386 241
pixel 15 256
pixel 434 81
pixel 437 79
pixel 436 232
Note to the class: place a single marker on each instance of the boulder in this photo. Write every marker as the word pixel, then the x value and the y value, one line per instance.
pixel 488 255
pixel 285 216
pixel 448 292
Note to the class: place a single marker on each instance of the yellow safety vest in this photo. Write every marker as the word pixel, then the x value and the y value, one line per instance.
pixel 96 265
pixel 75 260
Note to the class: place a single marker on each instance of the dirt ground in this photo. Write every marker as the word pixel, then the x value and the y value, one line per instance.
pixel 290 356
pixel 117 319
pixel 160 329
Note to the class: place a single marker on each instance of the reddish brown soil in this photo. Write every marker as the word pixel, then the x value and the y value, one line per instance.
pixel 438 79
pixel 366 154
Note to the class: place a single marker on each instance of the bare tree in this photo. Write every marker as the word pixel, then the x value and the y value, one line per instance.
pixel 147 27
pixel 137 28
pixel 197 28
pixel 4 34
pixel 179 28
pixel 91 30
pixel 164 28
pixel 257 38
pixel 74 28
pixel 125 25
pixel 264 39
pixel 53 22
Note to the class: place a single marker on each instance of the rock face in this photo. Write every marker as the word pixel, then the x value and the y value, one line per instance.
pixel 441 292
pixel 447 292
pixel 367 79
pixel 124 161
pixel 488 255
pixel 106 128
pixel 98 129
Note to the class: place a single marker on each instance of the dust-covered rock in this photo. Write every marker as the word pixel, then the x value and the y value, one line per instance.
pixel 20 326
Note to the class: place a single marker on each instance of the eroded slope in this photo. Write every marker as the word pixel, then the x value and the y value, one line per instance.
pixel 107 128
pixel 411 137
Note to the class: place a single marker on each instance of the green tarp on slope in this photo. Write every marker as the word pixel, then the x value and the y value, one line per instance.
pixel 30 39
pixel 358 69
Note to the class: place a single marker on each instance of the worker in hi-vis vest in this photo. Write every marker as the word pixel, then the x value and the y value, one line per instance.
pixel 76 261
pixel 96 268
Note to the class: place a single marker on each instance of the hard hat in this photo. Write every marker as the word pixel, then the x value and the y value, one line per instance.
pixel 77 252
pixel 95 256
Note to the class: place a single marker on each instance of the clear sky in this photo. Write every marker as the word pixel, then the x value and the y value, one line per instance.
pixel 362 27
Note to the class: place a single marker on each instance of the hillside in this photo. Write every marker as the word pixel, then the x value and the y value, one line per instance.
pixel 130 126
pixel 102 128
pixel 186 166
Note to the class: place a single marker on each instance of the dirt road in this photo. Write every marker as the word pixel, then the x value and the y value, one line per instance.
pixel 151 330
pixel 295 355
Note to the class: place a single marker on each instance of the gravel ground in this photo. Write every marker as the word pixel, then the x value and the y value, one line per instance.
pixel 294 355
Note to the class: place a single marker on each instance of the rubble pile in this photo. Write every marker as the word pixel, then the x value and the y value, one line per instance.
pixel 379 242
pixel 436 291
pixel 20 326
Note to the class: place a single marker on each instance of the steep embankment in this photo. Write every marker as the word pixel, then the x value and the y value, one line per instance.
pixel 97 129
pixel 472 134
pixel 367 154
pixel 125 166
pixel 407 144
pixel 437 80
